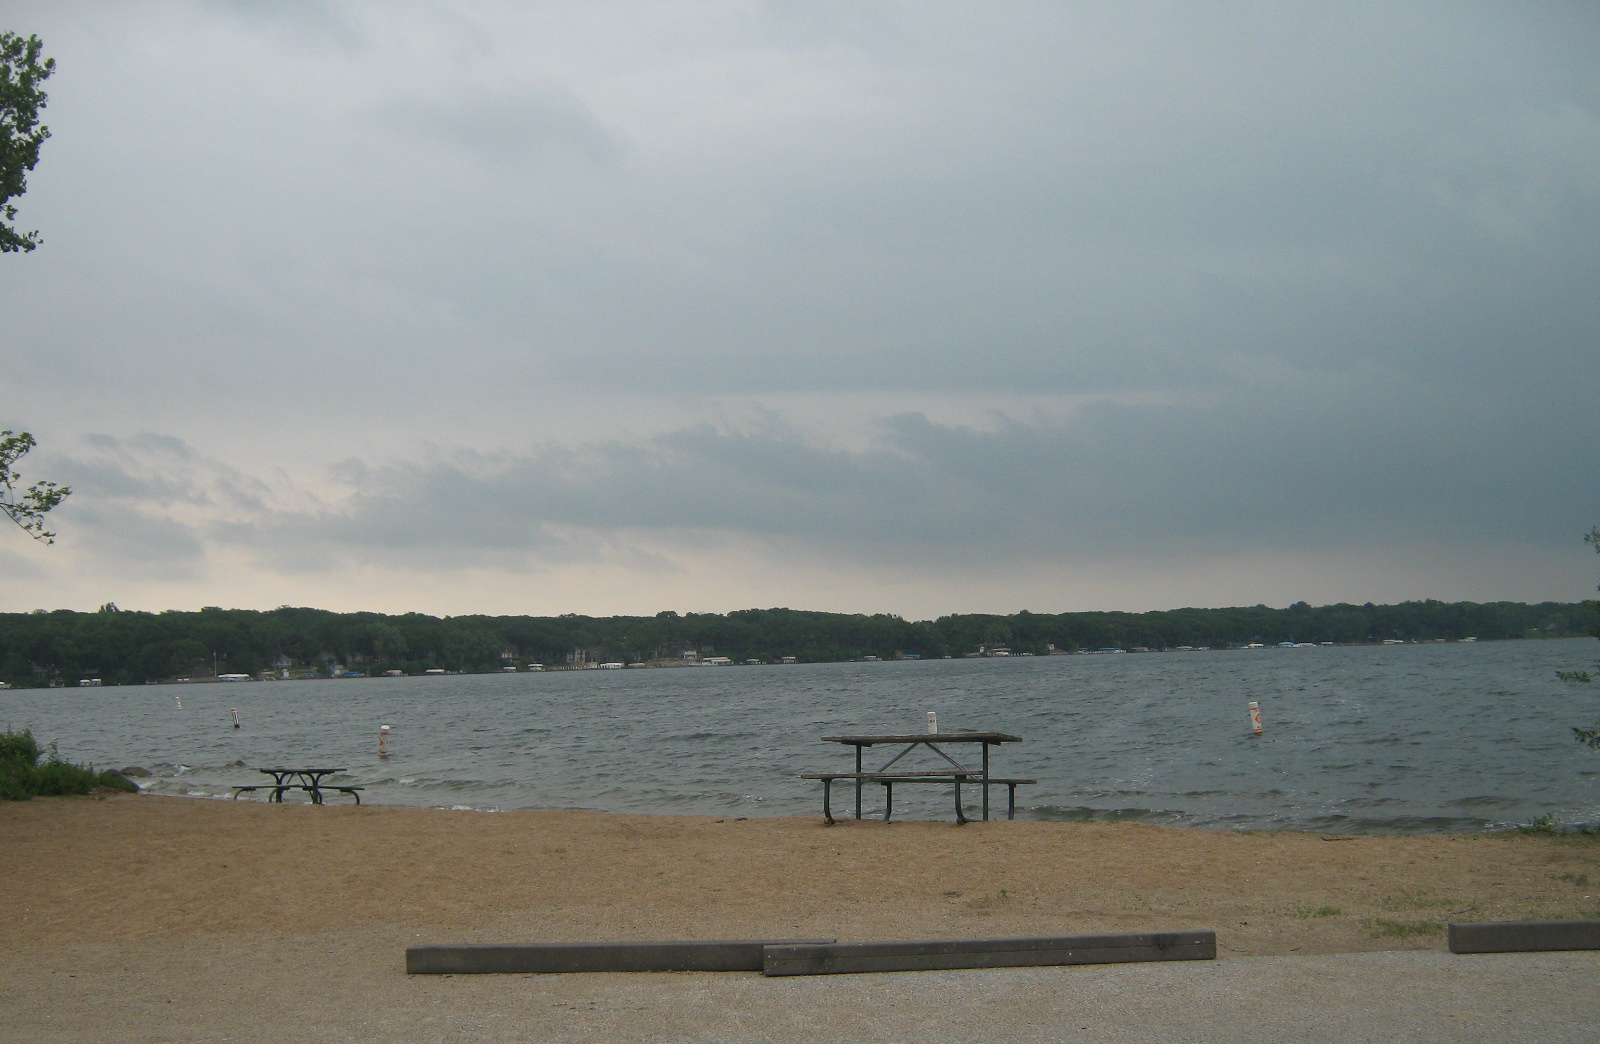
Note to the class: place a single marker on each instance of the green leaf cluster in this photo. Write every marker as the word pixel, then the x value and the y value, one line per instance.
pixel 22 70
pixel 1591 735
pixel 28 508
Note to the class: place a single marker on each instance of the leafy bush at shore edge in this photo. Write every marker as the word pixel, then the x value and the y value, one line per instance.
pixel 23 775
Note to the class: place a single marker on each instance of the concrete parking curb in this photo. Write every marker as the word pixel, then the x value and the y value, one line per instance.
pixel 526 958
pixel 841 958
pixel 1524 936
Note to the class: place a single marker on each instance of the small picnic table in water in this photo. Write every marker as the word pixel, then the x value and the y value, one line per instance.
pixel 309 780
pixel 955 774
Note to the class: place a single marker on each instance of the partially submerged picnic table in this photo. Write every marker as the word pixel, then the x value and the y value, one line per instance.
pixel 306 779
pixel 955 774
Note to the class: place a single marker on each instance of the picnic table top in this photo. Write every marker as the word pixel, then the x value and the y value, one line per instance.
pixel 926 737
pixel 966 775
pixel 300 771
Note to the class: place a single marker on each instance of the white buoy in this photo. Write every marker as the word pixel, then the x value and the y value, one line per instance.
pixel 383 741
pixel 180 701
pixel 236 717
pixel 1255 718
pixel 933 721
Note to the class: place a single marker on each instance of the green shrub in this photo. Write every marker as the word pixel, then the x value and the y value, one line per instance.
pixel 1542 825
pixel 23 776
pixel 13 787
pixel 116 781
pixel 18 748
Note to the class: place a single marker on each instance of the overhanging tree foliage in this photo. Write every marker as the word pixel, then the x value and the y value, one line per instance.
pixel 26 509
pixel 1591 735
pixel 21 134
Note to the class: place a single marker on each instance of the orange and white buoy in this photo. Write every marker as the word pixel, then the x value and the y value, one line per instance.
pixel 1255 718
pixel 383 741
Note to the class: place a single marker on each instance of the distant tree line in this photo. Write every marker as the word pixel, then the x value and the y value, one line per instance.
pixel 118 647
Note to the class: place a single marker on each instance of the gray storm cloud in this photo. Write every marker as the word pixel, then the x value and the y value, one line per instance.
pixel 421 290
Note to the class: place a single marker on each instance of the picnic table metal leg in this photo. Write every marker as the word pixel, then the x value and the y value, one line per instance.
pixel 888 799
pixel 858 781
pixel 827 810
pixel 986 782
pixel 1011 801
pixel 961 817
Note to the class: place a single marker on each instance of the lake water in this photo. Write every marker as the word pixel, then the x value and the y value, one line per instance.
pixel 1414 738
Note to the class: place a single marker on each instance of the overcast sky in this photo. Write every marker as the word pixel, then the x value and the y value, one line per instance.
pixel 914 307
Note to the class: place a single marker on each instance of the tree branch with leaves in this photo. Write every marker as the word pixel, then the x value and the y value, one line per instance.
pixel 21 133
pixel 28 508
pixel 1591 735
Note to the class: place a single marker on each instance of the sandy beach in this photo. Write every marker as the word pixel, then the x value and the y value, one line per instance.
pixel 135 903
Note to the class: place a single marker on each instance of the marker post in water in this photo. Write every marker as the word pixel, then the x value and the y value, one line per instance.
pixel 1255 718
pixel 933 721
pixel 383 741
pixel 236 717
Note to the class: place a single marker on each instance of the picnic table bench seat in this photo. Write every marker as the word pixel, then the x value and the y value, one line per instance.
pixel 890 778
pixel 315 792
pixel 934 742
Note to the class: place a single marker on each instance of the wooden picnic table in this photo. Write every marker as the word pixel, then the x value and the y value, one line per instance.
pixel 309 780
pixel 956 773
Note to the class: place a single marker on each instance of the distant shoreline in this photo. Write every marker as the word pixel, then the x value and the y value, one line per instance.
pixel 118 646
pixel 792 662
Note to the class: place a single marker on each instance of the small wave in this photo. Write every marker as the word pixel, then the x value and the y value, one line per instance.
pixel 1086 814
pixel 1370 802
pixel 1413 824
pixel 1331 822
pixel 1485 801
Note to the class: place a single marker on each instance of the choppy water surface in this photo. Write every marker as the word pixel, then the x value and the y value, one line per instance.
pixel 1390 738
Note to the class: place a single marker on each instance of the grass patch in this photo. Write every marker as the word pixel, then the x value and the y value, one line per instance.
pixel 1384 927
pixel 1306 913
pixel 1543 826
pixel 1547 826
pixel 1415 901
pixel 27 770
